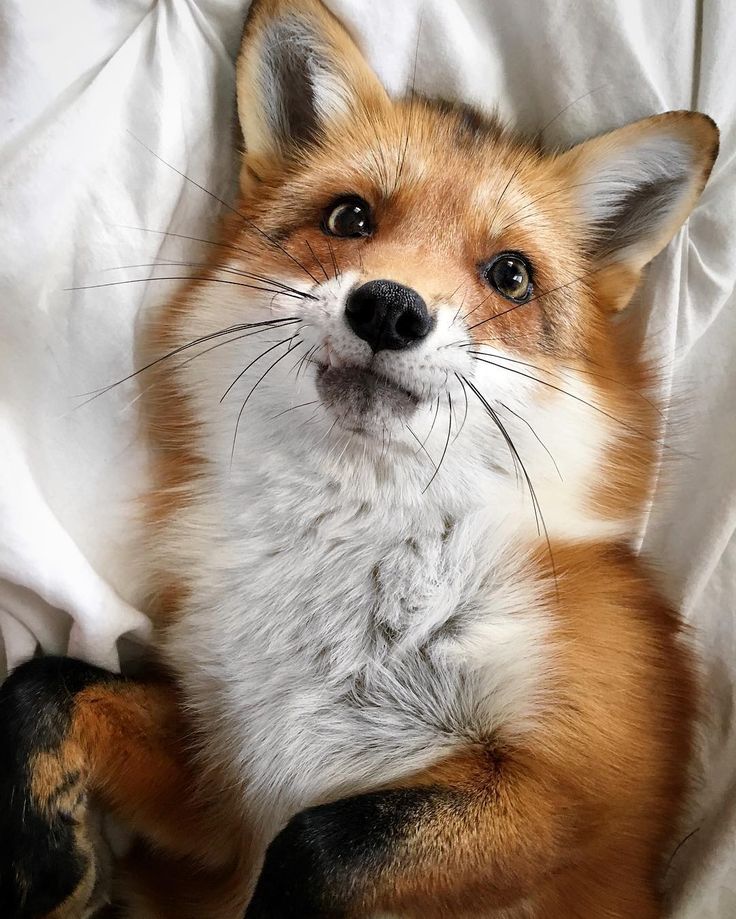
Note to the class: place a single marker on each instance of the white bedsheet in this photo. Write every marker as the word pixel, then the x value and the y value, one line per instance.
pixel 81 80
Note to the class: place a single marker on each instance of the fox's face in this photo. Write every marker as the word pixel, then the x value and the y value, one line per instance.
pixel 440 290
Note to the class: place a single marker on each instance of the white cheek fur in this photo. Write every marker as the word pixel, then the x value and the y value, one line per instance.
pixel 355 615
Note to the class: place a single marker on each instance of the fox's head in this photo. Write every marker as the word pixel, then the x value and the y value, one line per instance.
pixel 442 294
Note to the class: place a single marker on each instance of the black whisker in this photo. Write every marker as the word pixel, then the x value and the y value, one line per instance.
pixel 570 105
pixel 304 360
pixel 504 433
pixel 332 257
pixel 536 436
pixel 246 220
pixel 294 407
pixel 520 162
pixel 447 444
pixel 572 370
pixel 383 168
pixel 481 356
pixel 229 269
pixel 219 344
pixel 255 361
pixel 196 239
pixel 260 326
pixel 452 297
pixel 538 515
pixel 498 315
pixel 550 194
pixel 421 445
pixel 255 387
pixel 462 303
pixel 539 296
pixel 478 306
pixel 465 415
pixel 679 845
pixel 434 421
pixel 314 256
pixel 269 290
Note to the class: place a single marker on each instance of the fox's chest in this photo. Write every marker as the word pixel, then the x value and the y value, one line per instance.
pixel 339 647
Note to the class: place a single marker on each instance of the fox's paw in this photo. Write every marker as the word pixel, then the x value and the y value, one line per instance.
pixel 328 860
pixel 51 861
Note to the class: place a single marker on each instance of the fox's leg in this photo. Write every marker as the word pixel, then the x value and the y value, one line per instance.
pixel 476 837
pixel 417 850
pixel 71 733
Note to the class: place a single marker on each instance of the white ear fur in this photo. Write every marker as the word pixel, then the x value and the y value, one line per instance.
pixel 636 186
pixel 299 73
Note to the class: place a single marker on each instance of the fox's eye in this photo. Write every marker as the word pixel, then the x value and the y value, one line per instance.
pixel 511 275
pixel 348 217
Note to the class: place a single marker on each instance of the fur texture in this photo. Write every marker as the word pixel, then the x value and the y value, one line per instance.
pixel 425 673
pixel 379 562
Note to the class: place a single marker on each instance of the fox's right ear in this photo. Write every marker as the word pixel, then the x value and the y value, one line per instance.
pixel 299 74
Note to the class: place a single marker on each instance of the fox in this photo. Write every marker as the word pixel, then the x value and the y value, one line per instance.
pixel 407 659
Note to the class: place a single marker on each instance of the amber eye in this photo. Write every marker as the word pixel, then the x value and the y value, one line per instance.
pixel 348 217
pixel 511 275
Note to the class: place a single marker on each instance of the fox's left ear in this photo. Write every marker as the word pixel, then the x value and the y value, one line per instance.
pixel 299 75
pixel 633 188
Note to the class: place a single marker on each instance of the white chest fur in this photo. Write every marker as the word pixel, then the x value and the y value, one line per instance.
pixel 339 637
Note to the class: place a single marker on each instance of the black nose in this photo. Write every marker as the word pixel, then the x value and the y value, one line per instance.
pixel 388 315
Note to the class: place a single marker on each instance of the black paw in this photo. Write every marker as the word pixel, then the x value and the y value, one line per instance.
pixel 331 861
pixel 47 854
pixel 297 873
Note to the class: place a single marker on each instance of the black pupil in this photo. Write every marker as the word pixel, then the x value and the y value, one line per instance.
pixel 510 277
pixel 351 220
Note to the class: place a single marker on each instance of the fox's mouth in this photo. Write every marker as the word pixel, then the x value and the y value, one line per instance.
pixel 363 399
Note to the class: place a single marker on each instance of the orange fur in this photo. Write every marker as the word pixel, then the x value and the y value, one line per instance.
pixel 598 790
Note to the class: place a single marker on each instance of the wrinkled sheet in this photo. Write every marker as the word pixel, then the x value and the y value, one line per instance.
pixel 85 84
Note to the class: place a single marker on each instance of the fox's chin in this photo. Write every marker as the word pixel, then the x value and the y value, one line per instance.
pixel 363 401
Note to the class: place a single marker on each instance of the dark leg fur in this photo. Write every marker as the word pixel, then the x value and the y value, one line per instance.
pixel 324 854
pixel 47 858
pixel 360 854
pixel 70 734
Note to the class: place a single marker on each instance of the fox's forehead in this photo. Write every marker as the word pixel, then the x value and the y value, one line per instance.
pixel 412 144
pixel 425 167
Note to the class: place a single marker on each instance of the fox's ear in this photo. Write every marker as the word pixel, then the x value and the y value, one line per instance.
pixel 299 74
pixel 634 188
